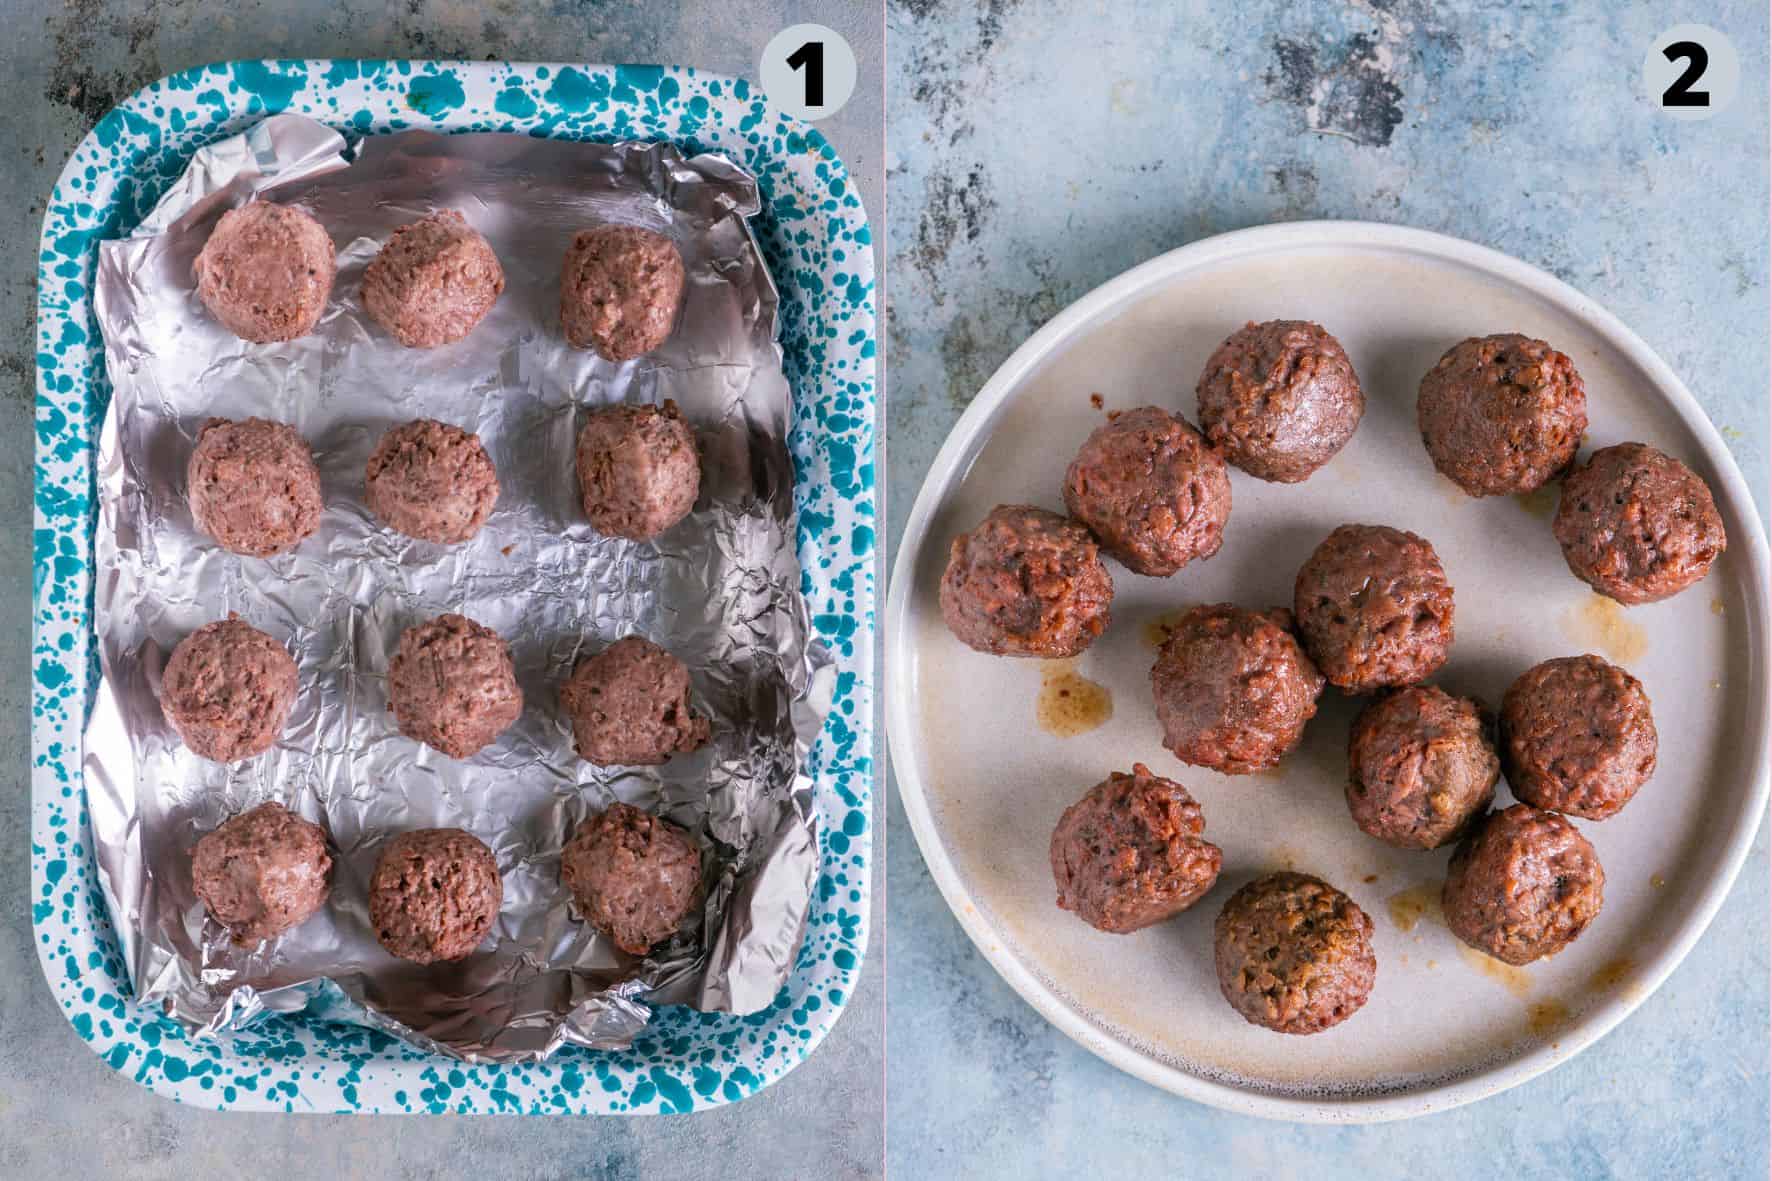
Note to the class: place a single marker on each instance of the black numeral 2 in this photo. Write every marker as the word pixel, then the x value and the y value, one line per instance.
pixel 810 57
pixel 1681 94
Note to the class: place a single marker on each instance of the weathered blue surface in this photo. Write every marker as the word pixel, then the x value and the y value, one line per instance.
pixel 1037 148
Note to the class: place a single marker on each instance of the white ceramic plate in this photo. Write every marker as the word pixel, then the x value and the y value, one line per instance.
pixel 984 784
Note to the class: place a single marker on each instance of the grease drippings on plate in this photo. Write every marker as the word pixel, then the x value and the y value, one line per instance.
pixel 1158 628
pixel 1544 1018
pixel 1601 623
pixel 1516 980
pixel 1410 906
pixel 1541 502
pixel 1069 703
pixel 1611 974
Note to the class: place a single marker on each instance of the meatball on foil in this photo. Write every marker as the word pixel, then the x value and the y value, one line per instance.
pixel 639 470
pixel 1026 582
pixel 1234 688
pixel 227 689
pixel 262 872
pixel 451 685
pixel 266 272
pixel 1293 954
pixel 253 486
pixel 1577 736
pixel 1522 885
pixel 1421 767
pixel 1129 853
pixel 634 876
pixel 1374 608
pixel 1151 490
pixel 434 895
pixel 1637 525
pixel 431 481
pixel 433 281
pixel 629 706
pixel 1502 414
pixel 620 287
pixel 1279 399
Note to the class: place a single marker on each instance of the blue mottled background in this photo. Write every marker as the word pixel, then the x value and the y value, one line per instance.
pixel 1036 148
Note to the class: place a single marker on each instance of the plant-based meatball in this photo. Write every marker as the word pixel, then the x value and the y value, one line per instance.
pixel 227 690
pixel 262 872
pixel 1233 688
pixel 1374 608
pixel 451 685
pixel 619 291
pixel 1279 399
pixel 1151 490
pixel 1026 582
pixel 1577 736
pixel 253 486
pixel 629 706
pixel 1294 954
pixel 434 895
pixel 430 480
pixel 266 272
pixel 639 470
pixel 1129 853
pixel 1421 768
pixel 634 876
pixel 1522 885
pixel 1502 414
pixel 1638 525
pixel 433 281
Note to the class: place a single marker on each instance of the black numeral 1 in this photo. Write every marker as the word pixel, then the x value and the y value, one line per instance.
pixel 810 56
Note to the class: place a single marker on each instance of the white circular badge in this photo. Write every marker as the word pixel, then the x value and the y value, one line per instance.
pixel 808 71
pixel 1691 72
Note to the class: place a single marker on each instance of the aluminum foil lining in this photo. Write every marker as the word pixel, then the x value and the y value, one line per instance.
pixel 720 590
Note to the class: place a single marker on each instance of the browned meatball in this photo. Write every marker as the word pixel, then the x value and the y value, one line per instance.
pixel 266 272
pixel 433 281
pixel 639 470
pixel 1026 582
pixel 1151 491
pixel 227 690
pixel 434 895
pixel 253 486
pixel 1294 954
pixel 1374 608
pixel 262 872
pixel 1420 767
pixel 1129 853
pixel 1522 885
pixel 1233 688
pixel 1502 414
pixel 1638 525
pixel 634 876
pixel 1280 399
pixel 430 480
pixel 452 686
pixel 1577 736
pixel 629 706
pixel 619 291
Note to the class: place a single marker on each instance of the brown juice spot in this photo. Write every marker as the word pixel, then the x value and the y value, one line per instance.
pixel 1281 858
pixel 1540 502
pixel 1097 401
pixel 1070 703
pixel 1657 880
pixel 1516 980
pixel 1159 628
pixel 1716 607
pixel 1601 623
pixel 1432 964
pixel 1611 975
pixel 1546 1017
pixel 1370 878
pixel 1420 901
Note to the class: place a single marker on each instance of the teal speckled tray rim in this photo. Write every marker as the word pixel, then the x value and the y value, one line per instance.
pixel 815 238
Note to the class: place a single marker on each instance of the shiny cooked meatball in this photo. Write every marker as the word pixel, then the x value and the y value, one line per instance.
pixel 266 271
pixel 227 690
pixel 1522 885
pixel 620 287
pixel 629 706
pixel 1577 736
pixel 1026 582
pixel 1421 767
pixel 1279 399
pixel 634 876
pixel 432 281
pixel 1151 490
pixel 1373 608
pixel 432 481
pixel 1233 688
pixel 253 486
pixel 1129 853
pixel 1502 414
pixel 451 685
pixel 262 872
pixel 639 469
pixel 434 895
pixel 1637 525
pixel 1294 954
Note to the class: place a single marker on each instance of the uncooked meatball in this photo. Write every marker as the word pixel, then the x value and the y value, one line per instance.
pixel 634 876
pixel 1502 414
pixel 620 288
pixel 227 690
pixel 253 486
pixel 1294 954
pixel 1026 582
pixel 1638 525
pixel 433 281
pixel 639 470
pixel 1151 490
pixel 1522 885
pixel 266 272
pixel 1577 736
pixel 1233 688
pixel 629 706
pixel 434 895
pixel 1129 853
pixel 451 685
pixel 1421 767
pixel 430 480
pixel 1279 399
pixel 262 872
pixel 1374 608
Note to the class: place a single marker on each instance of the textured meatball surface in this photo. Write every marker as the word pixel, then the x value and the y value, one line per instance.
pixel 620 287
pixel 434 895
pixel 227 689
pixel 1151 490
pixel 262 872
pixel 629 706
pixel 1294 954
pixel 452 686
pixel 639 470
pixel 1522 885
pixel 266 272
pixel 1279 399
pixel 1577 736
pixel 253 486
pixel 1374 608
pixel 634 876
pixel 1026 582
pixel 1638 525
pixel 432 281
pixel 1502 414
pixel 1421 767
pixel 432 481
